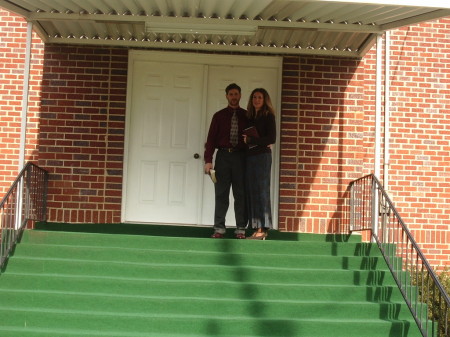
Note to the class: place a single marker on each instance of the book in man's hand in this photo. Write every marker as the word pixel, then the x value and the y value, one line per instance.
pixel 252 133
pixel 212 175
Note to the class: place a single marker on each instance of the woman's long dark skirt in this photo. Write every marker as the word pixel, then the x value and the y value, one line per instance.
pixel 258 190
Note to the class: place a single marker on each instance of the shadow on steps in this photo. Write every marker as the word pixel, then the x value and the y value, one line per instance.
pixel 183 231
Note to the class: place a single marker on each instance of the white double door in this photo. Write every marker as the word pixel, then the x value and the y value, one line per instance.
pixel 171 100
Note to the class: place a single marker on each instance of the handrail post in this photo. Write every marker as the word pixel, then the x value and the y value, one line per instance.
pixel 375 209
pixel 19 197
pixel 352 206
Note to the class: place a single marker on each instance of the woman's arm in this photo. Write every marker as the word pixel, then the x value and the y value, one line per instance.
pixel 267 131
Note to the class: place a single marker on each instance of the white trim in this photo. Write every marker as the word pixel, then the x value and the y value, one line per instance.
pixel 26 90
pixel 206 59
pixel 276 169
pixel 377 164
pixel 378 94
pixel 203 136
pixel 387 110
pixel 127 136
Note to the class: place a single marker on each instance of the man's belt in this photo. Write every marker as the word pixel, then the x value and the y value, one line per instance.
pixel 229 149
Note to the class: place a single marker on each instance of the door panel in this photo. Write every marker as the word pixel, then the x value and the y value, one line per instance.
pixel 162 173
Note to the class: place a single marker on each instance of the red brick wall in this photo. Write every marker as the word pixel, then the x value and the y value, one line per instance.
pixel 82 132
pixel 419 171
pixel 326 139
pixel 321 141
pixel 13 31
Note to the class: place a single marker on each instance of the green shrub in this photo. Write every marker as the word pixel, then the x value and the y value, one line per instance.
pixel 444 277
pixel 437 307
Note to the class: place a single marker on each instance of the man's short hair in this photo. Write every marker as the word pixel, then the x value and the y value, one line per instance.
pixel 232 86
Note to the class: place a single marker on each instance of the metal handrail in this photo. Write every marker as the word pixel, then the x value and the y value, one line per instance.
pixel 25 201
pixel 371 209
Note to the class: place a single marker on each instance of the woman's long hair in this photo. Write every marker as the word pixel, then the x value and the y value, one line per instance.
pixel 266 109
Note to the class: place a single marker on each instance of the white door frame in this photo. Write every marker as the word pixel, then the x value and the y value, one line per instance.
pixel 206 59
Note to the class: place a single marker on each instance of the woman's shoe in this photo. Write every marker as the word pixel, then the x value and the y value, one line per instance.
pixel 258 235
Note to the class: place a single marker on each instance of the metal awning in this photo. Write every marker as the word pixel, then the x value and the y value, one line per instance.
pixel 315 27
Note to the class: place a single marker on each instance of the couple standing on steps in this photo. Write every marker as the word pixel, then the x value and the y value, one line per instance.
pixel 243 162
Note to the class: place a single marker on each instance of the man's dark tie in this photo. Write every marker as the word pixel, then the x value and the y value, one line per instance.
pixel 234 130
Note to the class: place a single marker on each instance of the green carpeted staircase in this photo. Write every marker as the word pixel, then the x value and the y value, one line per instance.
pixel 133 281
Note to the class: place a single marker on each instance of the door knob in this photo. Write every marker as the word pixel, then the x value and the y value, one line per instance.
pixel 196 156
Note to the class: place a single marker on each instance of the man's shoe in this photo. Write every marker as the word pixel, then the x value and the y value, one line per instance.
pixel 217 235
pixel 240 236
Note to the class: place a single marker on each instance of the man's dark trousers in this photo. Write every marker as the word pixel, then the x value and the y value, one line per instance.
pixel 230 172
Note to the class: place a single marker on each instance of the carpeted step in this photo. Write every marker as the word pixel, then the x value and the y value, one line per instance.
pixel 214 323
pixel 197 257
pixel 199 272
pixel 313 245
pixel 106 283
pixel 199 288
pixel 180 304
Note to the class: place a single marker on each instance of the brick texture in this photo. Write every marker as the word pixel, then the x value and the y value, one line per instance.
pixel 82 132
pixel 419 167
pixel 77 120
pixel 321 142
pixel 13 31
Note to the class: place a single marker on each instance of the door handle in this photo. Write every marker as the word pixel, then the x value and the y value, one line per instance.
pixel 196 156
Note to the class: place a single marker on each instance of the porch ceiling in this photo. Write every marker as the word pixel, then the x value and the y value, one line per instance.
pixel 332 27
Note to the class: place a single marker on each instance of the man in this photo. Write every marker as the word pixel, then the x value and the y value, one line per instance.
pixel 225 135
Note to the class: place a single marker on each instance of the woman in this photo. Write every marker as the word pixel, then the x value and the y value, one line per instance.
pixel 261 117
